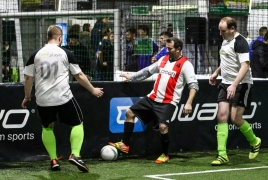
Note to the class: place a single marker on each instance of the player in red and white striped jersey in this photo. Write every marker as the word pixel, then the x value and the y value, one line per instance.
pixel 158 106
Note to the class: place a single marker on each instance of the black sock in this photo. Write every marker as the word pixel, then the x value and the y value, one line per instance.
pixel 165 143
pixel 128 129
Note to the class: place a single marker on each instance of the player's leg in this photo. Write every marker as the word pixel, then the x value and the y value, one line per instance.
pixel 163 128
pixel 164 113
pixel 141 109
pixel 49 140
pixel 242 100
pixel 222 127
pixel 48 116
pixel 128 129
pixel 222 133
pixel 76 139
pixel 71 114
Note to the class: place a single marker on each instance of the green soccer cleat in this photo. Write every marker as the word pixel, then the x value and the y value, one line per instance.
pixel 220 160
pixel 254 150
pixel 120 146
pixel 162 159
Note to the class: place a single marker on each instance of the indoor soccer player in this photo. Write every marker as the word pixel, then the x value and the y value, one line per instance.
pixel 158 106
pixel 49 68
pixel 234 90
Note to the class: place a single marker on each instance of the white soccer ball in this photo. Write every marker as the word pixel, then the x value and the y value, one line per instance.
pixel 109 153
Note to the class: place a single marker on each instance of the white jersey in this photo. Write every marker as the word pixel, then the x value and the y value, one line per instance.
pixel 50 68
pixel 171 79
pixel 232 54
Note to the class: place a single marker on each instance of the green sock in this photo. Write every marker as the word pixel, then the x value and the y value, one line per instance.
pixel 49 141
pixel 248 133
pixel 76 138
pixel 222 135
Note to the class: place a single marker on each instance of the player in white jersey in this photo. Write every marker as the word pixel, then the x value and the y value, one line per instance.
pixel 159 105
pixel 234 90
pixel 49 68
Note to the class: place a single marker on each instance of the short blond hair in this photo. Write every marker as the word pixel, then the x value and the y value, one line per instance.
pixel 53 32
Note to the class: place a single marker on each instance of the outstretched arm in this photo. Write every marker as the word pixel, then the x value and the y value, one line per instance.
pixel 83 80
pixel 142 74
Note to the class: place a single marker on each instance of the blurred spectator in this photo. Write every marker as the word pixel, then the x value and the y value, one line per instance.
pixel 6 56
pixel 106 57
pixel 96 33
pixel 248 38
pixel 145 60
pixel 170 28
pixel 262 32
pixel 84 40
pixel 98 73
pixel 259 62
pixel 80 52
pixel 163 37
pixel 131 60
pixel 74 29
pixel 87 27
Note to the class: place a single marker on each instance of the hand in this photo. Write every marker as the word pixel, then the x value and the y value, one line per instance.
pixel 104 63
pixel 25 102
pixel 127 76
pixel 98 92
pixel 212 79
pixel 187 109
pixel 153 59
pixel 231 91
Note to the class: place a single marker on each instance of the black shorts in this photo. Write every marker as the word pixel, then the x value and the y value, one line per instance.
pixel 68 113
pixel 148 110
pixel 242 95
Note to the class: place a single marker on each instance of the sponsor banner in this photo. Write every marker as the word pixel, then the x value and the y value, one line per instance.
pixel 118 107
pixel 20 129
pixel 241 7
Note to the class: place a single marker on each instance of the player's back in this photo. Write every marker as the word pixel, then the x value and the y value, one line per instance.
pixel 51 66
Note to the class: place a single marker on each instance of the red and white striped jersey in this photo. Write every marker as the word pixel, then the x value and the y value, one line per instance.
pixel 171 80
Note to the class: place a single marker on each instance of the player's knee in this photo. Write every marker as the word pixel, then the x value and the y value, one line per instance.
pixel 51 125
pixel 129 115
pixel 163 128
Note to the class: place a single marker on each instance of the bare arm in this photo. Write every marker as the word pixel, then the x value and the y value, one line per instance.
pixel 28 84
pixel 83 80
pixel 240 76
pixel 213 77
pixel 242 73
pixel 188 106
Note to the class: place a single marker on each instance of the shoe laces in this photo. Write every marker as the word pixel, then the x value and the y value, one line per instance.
pixel 253 149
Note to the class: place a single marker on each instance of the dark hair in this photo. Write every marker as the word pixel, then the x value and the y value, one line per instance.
pixel 170 29
pixel 230 22
pixel 265 37
pixel 74 29
pixel 262 30
pixel 86 27
pixel 177 42
pixel 132 30
pixel 73 36
pixel 144 28
pixel 166 33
